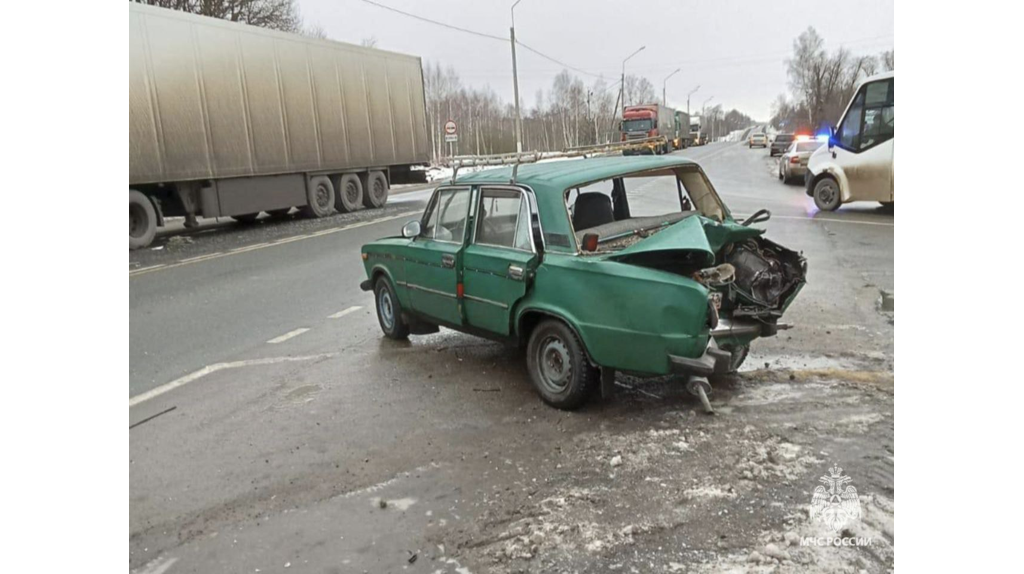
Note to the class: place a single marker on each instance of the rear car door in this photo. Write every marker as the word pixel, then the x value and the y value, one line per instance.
pixel 864 146
pixel 431 277
pixel 498 263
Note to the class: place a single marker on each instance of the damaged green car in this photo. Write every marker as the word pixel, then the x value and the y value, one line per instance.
pixel 595 265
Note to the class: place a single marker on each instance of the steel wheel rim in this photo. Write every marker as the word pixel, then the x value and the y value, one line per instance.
pixel 387 310
pixel 378 190
pixel 136 220
pixel 352 193
pixel 827 193
pixel 554 364
pixel 322 196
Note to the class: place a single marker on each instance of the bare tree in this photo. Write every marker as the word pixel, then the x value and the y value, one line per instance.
pixel 888 59
pixel 276 14
pixel 638 90
pixel 315 31
pixel 370 42
pixel 823 81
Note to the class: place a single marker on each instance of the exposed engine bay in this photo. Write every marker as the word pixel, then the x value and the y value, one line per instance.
pixel 767 275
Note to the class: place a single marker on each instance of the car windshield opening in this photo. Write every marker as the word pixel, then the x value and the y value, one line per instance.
pixel 637 125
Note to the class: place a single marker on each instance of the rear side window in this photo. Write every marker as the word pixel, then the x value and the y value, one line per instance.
pixel 504 219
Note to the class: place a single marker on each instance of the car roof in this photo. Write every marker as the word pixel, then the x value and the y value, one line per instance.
pixel 557 176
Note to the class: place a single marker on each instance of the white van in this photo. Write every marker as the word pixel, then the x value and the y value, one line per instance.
pixel 857 163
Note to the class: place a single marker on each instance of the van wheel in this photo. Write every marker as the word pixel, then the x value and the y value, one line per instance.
pixel 349 193
pixel 826 194
pixel 319 197
pixel 375 192
pixel 389 311
pixel 141 220
pixel 558 366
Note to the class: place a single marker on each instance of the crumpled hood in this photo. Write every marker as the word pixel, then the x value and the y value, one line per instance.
pixel 687 235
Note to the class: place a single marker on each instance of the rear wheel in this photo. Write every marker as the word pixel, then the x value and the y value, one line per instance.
pixel 320 197
pixel 141 220
pixel 389 312
pixel 375 192
pixel 826 194
pixel 558 366
pixel 348 193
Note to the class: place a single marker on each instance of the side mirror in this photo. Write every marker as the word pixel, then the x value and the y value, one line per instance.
pixel 760 216
pixel 411 229
pixel 831 137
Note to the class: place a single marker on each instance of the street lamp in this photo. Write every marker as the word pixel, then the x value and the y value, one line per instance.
pixel 664 98
pixel 693 91
pixel 622 87
pixel 515 81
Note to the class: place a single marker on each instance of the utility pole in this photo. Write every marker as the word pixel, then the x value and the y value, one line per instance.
pixel 664 97
pixel 515 81
pixel 693 91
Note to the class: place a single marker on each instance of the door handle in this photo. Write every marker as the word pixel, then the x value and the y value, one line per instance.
pixel 448 261
pixel 515 272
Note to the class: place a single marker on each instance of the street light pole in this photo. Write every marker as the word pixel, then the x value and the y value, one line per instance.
pixel 515 81
pixel 693 91
pixel 664 96
pixel 622 86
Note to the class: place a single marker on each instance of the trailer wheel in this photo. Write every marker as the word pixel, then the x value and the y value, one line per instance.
pixel 320 197
pixel 375 192
pixel 141 220
pixel 348 193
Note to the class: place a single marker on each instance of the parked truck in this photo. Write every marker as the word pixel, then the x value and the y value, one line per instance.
pixel 682 130
pixel 697 136
pixel 226 119
pixel 649 121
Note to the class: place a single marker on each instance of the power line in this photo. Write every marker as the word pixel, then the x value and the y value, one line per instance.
pixel 435 22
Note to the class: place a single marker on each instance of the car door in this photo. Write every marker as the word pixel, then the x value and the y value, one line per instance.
pixel 863 147
pixel 431 277
pixel 498 263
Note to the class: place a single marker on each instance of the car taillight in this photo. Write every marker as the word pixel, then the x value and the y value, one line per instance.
pixel 794 159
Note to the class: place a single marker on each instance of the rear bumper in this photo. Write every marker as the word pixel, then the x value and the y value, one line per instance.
pixel 714 360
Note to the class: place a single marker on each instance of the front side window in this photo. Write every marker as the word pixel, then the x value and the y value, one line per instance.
pixel 869 120
pixel 504 219
pixel 445 219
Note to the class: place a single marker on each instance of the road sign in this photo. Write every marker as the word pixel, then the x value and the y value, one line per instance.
pixel 451 132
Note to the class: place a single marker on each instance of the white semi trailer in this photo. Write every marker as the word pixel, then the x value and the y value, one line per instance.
pixel 226 119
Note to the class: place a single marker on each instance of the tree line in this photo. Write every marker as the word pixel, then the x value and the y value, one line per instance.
pixel 822 83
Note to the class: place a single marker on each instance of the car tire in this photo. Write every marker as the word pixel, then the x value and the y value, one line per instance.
pixel 348 193
pixel 141 220
pixel 389 310
pixel 826 194
pixel 320 197
pixel 559 367
pixel 781 177
pixel 739 354
pixel 375 189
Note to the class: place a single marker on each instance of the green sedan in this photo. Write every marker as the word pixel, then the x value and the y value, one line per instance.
pixel 595 265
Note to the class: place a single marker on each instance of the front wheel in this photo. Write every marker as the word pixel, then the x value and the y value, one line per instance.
pixel 141 220
pixel 826 194
pixel 558 366
pixel 389 311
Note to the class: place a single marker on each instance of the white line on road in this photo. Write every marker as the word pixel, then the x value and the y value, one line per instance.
pixel 158 566
pixel 288 335
pixel 342 313
pixel 259 246
pixel 213 369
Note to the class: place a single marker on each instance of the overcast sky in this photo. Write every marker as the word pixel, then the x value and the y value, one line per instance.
pixel 735 50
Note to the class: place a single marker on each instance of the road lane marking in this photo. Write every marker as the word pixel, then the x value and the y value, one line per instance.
pixel 192 377
pixel 158 566
pixel 265 245
pixel 344 312
pixel 288 335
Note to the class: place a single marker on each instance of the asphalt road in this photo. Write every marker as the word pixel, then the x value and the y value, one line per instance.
pixel 280 415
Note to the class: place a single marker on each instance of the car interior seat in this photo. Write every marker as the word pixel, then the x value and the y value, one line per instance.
pixel 592 209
